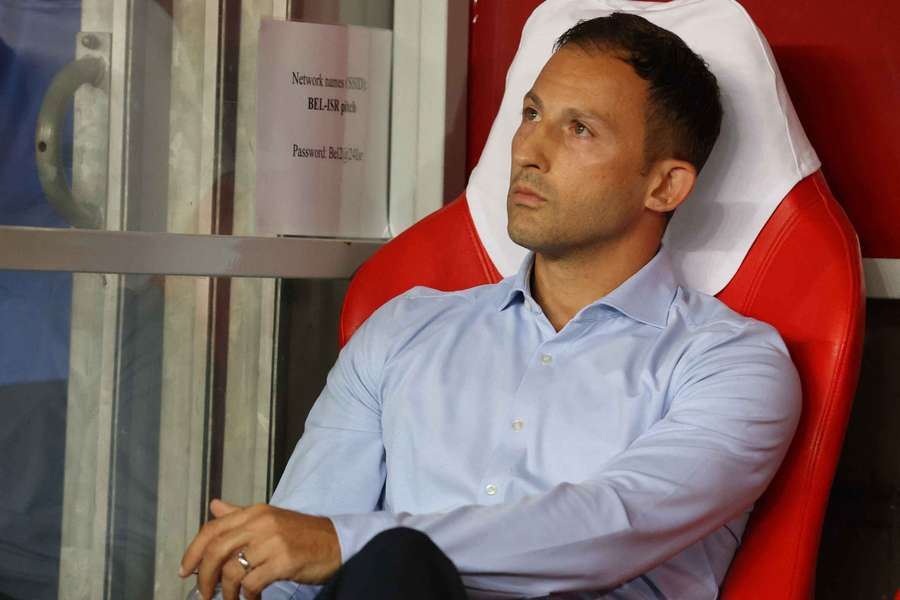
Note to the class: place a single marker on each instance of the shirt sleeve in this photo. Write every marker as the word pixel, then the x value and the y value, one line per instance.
pixel 735 405
pixel 338 464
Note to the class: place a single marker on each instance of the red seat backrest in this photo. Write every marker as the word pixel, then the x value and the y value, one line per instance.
pixel 441 251
pixel 803 275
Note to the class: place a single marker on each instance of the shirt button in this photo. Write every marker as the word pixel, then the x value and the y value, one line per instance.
pixel 518 424
pixel 546 359
pixel 490 489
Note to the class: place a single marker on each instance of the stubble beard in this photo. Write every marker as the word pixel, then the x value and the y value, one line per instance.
pixel 530 227
pixel 548 232
pixel 536 229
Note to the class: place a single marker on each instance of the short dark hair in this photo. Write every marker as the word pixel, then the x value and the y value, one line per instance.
pixel 684 112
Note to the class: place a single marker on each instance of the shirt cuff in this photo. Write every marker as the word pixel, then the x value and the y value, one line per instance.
pixel 355 531
pixel 288 590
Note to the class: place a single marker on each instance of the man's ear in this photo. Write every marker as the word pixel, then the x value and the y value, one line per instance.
pixel 671 181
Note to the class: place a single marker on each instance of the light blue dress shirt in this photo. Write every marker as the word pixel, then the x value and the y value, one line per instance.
pixel 617 458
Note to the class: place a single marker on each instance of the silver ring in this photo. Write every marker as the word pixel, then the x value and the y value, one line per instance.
pixel 242 559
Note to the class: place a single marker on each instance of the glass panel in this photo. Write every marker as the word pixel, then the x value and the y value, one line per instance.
pixel 859 555
pixel 163 96
pixel 83 408
pixel 34 366
pixel 106 427
pixel 308 346
pixel 368 13
pixel 140 121
pixel 253 302
pixel 37 39
pixel 131 400
pixel 121 399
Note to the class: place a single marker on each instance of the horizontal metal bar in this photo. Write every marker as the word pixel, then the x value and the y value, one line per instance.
pixel 86 251
pixel 91 251
pixel 882 277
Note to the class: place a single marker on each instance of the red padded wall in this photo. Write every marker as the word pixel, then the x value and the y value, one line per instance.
pixel 841 62
pixel 493 39
pixel 842 71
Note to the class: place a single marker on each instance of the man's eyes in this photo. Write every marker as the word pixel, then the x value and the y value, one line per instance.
pixel 578 128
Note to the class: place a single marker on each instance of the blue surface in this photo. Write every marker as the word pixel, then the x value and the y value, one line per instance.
pixel 37 39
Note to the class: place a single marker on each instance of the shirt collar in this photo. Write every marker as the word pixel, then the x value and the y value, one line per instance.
pixel 519 284
pixel 645 296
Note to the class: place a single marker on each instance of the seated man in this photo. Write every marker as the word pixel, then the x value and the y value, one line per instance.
pixel 585 426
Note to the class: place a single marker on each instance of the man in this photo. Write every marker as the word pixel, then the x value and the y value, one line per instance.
pixel 586 425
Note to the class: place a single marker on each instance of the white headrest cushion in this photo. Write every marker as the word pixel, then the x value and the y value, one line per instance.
pixel 761 153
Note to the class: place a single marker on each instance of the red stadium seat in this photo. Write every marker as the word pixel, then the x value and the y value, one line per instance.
pixel 803 275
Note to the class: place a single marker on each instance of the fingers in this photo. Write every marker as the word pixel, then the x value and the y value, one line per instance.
pixel 220 508
pixel 264 568
pixel 269 571
pixel 219 560
pixel 278 544
pixel 209 532
pixel 255 581
pixel 267 565
pixel 249 596
pixel 232 574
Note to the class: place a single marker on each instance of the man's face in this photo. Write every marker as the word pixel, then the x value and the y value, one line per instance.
pixel 578 155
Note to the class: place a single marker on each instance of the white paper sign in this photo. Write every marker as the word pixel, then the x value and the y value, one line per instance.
pixel 322 116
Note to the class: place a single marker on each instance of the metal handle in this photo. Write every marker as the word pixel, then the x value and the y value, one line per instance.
pixel 48 141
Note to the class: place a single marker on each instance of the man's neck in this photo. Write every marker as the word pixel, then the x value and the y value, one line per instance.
pixel 563 285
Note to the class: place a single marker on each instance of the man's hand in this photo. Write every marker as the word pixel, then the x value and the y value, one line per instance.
pixel 278 544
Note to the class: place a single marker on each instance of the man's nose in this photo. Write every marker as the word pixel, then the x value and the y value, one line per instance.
pixel 530 148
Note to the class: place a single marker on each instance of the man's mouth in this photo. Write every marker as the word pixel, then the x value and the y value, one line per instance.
pixel 523 195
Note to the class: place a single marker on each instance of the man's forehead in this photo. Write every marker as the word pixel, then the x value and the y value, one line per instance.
pixel 591 82
pixel 591 77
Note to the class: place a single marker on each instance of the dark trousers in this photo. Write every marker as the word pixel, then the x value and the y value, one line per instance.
pixel 396 564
